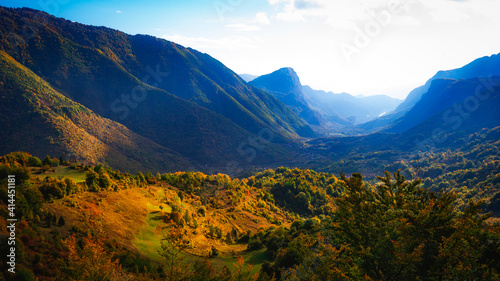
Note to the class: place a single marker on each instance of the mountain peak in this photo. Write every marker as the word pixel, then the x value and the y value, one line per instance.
pixel 283 80
pixel 287 69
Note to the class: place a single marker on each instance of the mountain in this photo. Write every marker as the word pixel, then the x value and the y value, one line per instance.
pixel 176 97
pixel 356 109
pixel 449 99
pixel 447 119
pixel 248 77
pixel 37 118
pixel 285 85
pixel 483 67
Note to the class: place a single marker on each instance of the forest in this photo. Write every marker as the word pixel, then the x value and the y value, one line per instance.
pixel 297 224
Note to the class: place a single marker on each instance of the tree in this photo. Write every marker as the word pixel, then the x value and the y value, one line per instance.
pixel 104 181
pixel 24 274
pixel 92 262
pixel 400 231
pixel 255 243
pixel 61 221
pixel 172 247
pixel 243 272
pixel 91 177
pixel 47 161
pixel 71 186
pixel 141 177
pixel 34 162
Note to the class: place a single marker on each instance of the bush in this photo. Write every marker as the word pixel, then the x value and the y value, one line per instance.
pixel 24 274
pixel 255 243
pixel 214 252
pixel 34 162
pixel 202 211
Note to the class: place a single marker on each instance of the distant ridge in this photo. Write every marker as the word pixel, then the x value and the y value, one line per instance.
pixel 248 77
pixel 484 67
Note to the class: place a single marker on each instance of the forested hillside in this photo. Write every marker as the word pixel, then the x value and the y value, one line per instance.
pixel 79 222
pixel 129 157
pixel 183 100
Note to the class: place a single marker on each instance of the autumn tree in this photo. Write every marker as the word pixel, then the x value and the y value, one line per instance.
pixel 172 247
pixel 91 262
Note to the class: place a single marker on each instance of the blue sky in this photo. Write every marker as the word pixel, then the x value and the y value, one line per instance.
pixel 360 47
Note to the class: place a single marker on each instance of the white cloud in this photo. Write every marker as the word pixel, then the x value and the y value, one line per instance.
pixel 262 18
pixel 336 13
pixel 274 2
pixel 119 12
pixel 242 27
pixel 417 39
pixel 445 11
pixel 346 14
pixel 291 16
pixel 289 12
pixel 203 43
pixel 405 21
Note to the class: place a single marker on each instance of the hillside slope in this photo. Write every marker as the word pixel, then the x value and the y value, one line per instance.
pixel 108 72
pixel 463 96
pixel 484 67
pixel 38 119
pixel 466 108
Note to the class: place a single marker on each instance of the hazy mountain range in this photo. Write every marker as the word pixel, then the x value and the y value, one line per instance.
pixel 327 113
pixel 158 161
pixel 67 86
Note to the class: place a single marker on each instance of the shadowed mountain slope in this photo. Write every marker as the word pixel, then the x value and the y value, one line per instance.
pixel 179 98
pixel 36 118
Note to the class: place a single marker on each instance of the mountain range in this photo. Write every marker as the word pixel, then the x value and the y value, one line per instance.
pixel 172 108
pixel 326 113
pixel 173 167
pixel 356 109
pixel 176 97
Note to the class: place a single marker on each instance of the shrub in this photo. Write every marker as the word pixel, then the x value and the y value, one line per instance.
pixel 255 243
pixel 202 211
pixel 34 162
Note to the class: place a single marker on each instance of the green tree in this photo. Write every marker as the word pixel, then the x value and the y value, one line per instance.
pixel 61 221
pixel 104 181
pixel 47 161
pixel 34 162
pixel 141 177
pixel 397 230
pixel 91 177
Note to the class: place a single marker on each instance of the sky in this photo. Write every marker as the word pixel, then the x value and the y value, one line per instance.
pixel 360 47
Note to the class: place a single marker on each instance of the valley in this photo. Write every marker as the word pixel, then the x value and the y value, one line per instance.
pixel 136 158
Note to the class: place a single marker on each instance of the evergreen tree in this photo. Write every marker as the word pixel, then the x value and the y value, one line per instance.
pixel 61 221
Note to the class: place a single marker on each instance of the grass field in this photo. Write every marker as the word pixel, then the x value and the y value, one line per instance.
pixel 255 258
pixel 148 239
pixel 64 172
